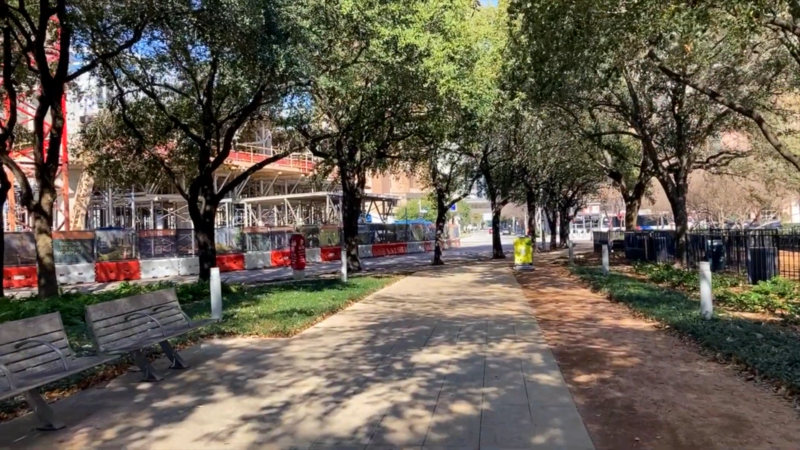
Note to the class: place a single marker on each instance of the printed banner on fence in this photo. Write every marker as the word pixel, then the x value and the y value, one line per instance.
pixel 154 244
pixel 20 249
pixel 184 238
pixel 115 245
pixel 73 247
pixel 228 240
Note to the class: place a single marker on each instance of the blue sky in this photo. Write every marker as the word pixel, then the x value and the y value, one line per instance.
pixel 489 2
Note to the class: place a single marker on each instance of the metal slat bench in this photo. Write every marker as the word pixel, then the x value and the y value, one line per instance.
pixel 132 324
pixel 35 352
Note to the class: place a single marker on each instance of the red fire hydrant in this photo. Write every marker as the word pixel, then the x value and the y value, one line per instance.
pixel 297 254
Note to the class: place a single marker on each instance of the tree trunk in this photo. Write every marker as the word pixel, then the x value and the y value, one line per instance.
pixel 441 219
pixel 632 206
pixel 205 239
pixel 564 220
pixel 43 235
pixel 497 244
pixel 677 200
pixel 552 222
pixel 352 199
pixel 676 187
pixel 530 202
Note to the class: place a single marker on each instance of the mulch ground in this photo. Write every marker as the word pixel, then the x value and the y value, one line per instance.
pixel 638 386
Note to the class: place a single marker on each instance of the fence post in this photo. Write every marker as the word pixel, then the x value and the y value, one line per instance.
pixel 706 302
pixel 605 260
pixel 216 294
pixel 344 263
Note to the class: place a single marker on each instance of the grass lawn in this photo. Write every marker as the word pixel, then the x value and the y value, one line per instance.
pixel 285 309
pixel 274 310
pixel 769 349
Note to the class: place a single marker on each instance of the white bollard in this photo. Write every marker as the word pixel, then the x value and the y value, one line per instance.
pixel 215 286
pixel 605 260
pixel 571 252
pixel 706 300
pixel 344 264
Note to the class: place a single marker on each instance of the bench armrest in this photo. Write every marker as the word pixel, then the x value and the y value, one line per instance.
pixel 169 307
pixel 138 315
pixel 12 383
pixel 47 344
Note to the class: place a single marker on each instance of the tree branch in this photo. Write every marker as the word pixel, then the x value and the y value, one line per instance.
pixel 746 111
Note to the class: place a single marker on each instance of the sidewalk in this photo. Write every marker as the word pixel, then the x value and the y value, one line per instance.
pixel 443 359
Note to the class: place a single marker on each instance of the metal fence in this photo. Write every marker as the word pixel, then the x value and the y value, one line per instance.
pixel 759 254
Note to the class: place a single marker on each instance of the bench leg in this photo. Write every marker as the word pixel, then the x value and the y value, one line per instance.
pixel 45 414
pixel 174 357
pixel 149 373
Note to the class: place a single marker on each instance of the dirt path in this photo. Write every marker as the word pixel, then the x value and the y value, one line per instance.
pixel 639 387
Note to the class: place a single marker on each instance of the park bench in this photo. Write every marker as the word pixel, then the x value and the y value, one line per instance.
pixel 35 352
pixel 132 324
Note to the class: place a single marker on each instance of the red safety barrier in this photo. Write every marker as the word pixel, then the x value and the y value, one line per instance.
pixel 401 249
pixel 108 271
pixel 379 250
pixel 281 258
pixel 19 277
pixel 428 246
pixel 331 254
pixel 230 263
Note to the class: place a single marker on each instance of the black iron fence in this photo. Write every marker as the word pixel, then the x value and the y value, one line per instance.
pixel 760 254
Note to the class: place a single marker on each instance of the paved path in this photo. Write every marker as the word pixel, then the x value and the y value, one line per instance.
pixel 443 359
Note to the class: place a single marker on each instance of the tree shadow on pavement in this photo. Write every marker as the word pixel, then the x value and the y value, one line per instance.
pixel 448 358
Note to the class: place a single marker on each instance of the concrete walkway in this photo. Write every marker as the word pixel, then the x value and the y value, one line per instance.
pixel 442 359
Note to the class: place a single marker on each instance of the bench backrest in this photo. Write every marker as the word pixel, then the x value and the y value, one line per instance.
pixel 111 327
pixel 33 357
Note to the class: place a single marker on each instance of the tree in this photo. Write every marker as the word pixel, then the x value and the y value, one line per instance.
pixel 741 54
pixel 54 39
pixel 463 43
pixel 180 107
pixel 498 175
pixel 423 209
pixel 363 97
pixel 595 54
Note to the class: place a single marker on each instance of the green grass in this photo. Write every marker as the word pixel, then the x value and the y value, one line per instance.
pixel 285 309
pixel 769 349
pixel 274 310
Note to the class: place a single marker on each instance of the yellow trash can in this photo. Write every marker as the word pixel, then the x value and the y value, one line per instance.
pixel 523 253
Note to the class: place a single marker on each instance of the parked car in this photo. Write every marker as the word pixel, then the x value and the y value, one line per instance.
pixel 506 231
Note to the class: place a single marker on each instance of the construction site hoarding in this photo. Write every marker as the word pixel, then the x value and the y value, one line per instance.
pixel 73 247
pixel 157 244
pixel 229 240
pixel 115 244
pixel 20 249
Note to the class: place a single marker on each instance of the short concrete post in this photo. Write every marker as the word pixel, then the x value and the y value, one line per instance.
pixel 571 252
pixel 605 260
pixel 344 264
pixel 706 301
pixel 216 294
